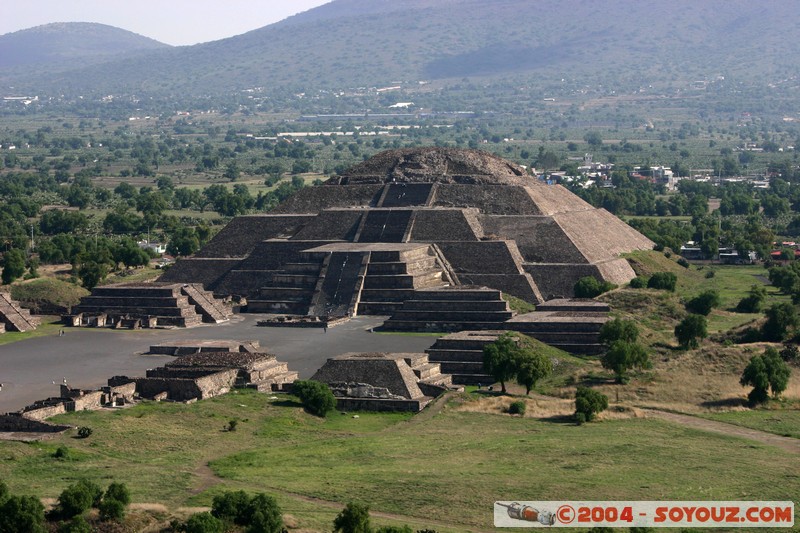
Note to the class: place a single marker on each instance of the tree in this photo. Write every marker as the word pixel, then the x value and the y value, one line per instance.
pixel 691 330
pixel 78 524
pixel 531 367
pixel 75 499
pixel 231 506
pixel 111 509
pixel 92 273
pixel 119 492
pixel 183 242
pixel 781 317
pixel 263 515
pixel 13 265
pixel 622 356
pixel 589 287
pixel 663 280
pixel 354 518
pixel 618 330
pixel 204 523
pixel 764 373
pixel 500 359
pixel 754 301
pixel 703 303
pixel 22 513
pixel 588 403
pixel 593 138
pixel 316 397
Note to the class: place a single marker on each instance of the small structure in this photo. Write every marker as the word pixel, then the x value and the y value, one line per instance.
pixel 13 317
pixel 189 347
pixel 136 305
pixel 383 381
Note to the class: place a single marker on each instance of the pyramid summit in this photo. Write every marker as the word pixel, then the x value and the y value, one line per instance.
pixel 409 221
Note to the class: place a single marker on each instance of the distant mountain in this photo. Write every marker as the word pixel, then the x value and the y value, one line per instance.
pixel 350 43
pixel 70 45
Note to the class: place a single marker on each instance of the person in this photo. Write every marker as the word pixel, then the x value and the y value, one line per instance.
pixel 61 333
pixel 325 328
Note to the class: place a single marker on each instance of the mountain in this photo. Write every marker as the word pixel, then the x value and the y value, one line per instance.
pixel 350 43
pixel 70 45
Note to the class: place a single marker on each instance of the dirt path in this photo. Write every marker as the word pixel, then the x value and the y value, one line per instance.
pixel 786 443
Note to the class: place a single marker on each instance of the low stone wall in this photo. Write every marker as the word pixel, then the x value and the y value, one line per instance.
pixel 45 409
pixel 240 236
pixel 371 404
pixel 489 199
pixel 315 199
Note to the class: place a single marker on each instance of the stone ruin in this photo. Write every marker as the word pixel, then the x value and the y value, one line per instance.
pixel 13 317
pixel 148 305
pixel 383 381
pixel 397 233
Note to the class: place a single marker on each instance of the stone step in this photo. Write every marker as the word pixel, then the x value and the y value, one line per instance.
pixel 403 281
pixel 303 268
pixel 462 367
pixel 386 295
pixel 439 355
pixel 144 301
pixel 149 290
pixel 295 294
pixel 378 308
pixel 424 264
pixel 574 305
pixel 454 312
pixel 473 379
pixel 138 311
pixel 435 305
pixel 427 370
pixel 211 309
pixel 462 295
pixel 294 280
pixel 434 326
pixel 533 328
pixel 567 337
pixel 278 307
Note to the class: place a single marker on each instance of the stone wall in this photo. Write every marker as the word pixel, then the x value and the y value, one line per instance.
pixel 539 239
pixel 240 236
pixel 435 225
pixel 331 225
pixel 489 199
pixel 207 271
pixel 315 199
pixel 16 423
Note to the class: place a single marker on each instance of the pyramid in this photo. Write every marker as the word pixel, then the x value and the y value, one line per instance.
pixel 413 220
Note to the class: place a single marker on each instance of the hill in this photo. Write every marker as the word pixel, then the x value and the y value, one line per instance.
pixel 69 45
pixel 352 43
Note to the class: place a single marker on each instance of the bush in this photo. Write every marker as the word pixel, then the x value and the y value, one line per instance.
pixel 589 287
pixel 119 492
pixel 75 499
pixel 588 403
pixel 622 356
pixel 517 408
pixel 394 529
pixel 111 509
pixel 263 515
pixel 76 525
pixel 231 506
pixel 663 281
pixel 22 513
pixel 690 331
pixel 316 397
pixel 703 303
pixel 232 425
pixel 764 373
pixel 354 518
pixel 62 452
pixel 639 282
pixel 84 432
pixel 781 318
pixel 618 330
pixel 683 262
pixel 204 523
pixel 710 274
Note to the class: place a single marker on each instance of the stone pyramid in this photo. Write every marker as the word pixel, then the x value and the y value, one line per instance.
pixel 410 220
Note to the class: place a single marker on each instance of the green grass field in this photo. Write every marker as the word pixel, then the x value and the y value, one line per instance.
pixel 784 422
pixel 447 468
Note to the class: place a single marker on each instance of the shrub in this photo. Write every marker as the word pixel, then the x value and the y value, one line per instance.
pixel 119 492
pixel 588 403
pixel 22 513
pixel 683 262
pixel 111 509
pixel 517 408
pixel 231 506
pixel 781 318
pixel 703 303
pixel 62 452
pixel 77 525
pixel 622 356
pixel 663 280
pixel 639 282
pixel 316 397
pixel 764 373
pixel 204 523
pixel 75 499
pixel 710 274
pixel 394 529
pixel 354 518
pixel 618 330
pixel 589 287
pixel 263 515
pixel 232 425
pixel 691 330
pixel 84 432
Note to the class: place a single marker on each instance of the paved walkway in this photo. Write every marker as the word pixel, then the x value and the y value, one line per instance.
pixel 87 357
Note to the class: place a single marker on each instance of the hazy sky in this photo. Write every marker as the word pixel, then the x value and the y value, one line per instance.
pixel 176 22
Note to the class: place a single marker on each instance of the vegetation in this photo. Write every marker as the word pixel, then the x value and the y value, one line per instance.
pixel 691 331
pixel 765 373
pixel 588 403
pixel 514 355
pixel 589 287
pixel 704 303
pixel 623 356
pixel 316 397
pixel 663 280
pixel 354 518
pixel 517 408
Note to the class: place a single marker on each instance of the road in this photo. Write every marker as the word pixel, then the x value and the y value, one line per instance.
pixel 87 357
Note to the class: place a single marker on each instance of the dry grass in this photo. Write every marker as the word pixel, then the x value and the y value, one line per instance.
pixel 542 407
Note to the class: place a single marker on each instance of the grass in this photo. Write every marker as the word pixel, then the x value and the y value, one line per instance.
pixel 49 326
pixel 448 468
pixel 784 422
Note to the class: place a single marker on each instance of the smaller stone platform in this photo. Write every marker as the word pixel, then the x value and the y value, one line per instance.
pixel 190 347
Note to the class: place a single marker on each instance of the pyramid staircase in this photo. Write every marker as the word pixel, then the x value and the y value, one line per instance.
pixel 272 377
pixel 15 318
pixel 455 309
pixel 430 379
pixel 461 355
pixel 572 325
pixel 211 309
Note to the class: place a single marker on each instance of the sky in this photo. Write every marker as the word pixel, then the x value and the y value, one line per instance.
pixel 175 22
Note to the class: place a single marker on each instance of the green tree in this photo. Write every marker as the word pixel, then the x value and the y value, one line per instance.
pixel 92 273
pixel 622 356
pixel 263 515
pixel 593 139
pixel 663 280
pixel 781 318
pixel 703 303
pixel 119 492
pixel 531 367
pixel 111 510
pixel 588 403
pixel 13 265
pixel 500 359
pixel 618 330
pixel 74 500
pixel 764 373
pixel 204 523
pixel 22 513
pixel 754 301
pixel 315 396
pixel 78 524
pixel 354 518
pixel 589 287
pixel 691 330
pixel 231 506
